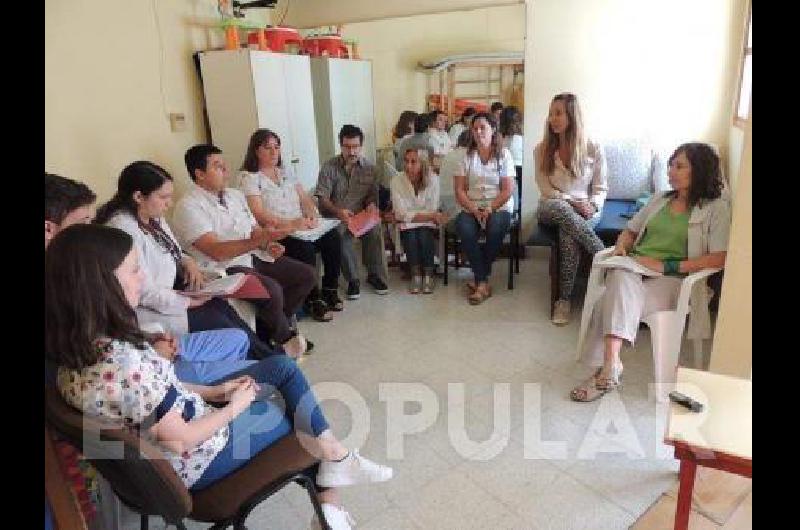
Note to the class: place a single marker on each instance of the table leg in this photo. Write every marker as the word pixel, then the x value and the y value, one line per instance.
pixel 684 508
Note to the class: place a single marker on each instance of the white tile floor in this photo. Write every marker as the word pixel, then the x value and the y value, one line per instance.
pixel 440 339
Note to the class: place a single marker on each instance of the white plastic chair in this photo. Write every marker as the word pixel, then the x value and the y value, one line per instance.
pixel 666 327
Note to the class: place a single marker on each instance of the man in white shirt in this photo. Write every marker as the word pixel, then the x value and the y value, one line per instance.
pixel 215 225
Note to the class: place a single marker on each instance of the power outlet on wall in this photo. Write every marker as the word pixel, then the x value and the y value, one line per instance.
pixel 177 121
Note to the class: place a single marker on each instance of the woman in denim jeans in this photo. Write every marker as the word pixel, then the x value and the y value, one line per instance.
pixel 484 183
pixel 109 368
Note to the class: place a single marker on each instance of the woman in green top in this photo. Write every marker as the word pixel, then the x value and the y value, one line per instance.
pixel 679 232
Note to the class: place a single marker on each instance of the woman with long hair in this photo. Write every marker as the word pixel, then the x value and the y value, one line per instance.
pixel 109 369
pixel 143 197
pixel 278 200
pixel 571 175
pixel 678 232
pixel 484 183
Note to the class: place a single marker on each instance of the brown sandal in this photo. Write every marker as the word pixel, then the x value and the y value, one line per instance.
pixel 479 295
pixel 596 387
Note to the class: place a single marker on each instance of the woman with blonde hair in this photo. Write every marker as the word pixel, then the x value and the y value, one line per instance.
pixel 571 175
pixel 415 196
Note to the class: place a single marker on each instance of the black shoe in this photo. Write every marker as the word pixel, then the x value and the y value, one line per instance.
pixel 377 284
pixel 331 297
pixel 319 310
pixel 353 290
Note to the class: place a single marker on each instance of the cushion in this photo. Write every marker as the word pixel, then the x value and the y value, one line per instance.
pixel 629 168
pixel 616 214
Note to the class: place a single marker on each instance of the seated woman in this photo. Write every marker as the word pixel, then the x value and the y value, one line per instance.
pixel 679 232
pixel 144 194
pixel 484 182
pixel 571 175
pixel 415 197
pixel 108 369
pixel 278 200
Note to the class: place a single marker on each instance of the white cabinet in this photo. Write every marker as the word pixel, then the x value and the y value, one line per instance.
pixel 342 95
pixel 246 90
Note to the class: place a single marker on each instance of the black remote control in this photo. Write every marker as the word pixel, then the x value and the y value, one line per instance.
pixel 686 401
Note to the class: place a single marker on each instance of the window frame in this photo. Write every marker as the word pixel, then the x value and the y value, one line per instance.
pixel 746 50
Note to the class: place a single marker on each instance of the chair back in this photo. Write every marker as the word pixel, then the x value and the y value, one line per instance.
pixel 518 202
pixel 136 469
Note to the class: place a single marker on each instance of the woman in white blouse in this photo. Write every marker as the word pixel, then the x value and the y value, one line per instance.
pixel 110 369
pixel 415 199
pixel 484 183
pixel 571 175
pixel 143 197
pixel 278 200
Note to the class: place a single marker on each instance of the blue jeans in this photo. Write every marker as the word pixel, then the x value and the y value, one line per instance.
pixel 419 244
pixel 468 230
pixel 207 356
pixel 265 422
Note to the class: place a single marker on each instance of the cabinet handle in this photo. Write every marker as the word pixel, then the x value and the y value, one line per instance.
pixel 295 160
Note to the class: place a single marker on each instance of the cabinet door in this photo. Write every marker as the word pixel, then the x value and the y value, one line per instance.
pixel 228 88
pixel 285 105
pixel 351 99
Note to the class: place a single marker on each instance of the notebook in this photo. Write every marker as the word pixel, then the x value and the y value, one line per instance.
pixel 627 263
pixel 237 285
pixel 315 233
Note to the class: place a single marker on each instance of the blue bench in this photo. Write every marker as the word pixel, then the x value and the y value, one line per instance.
pixel 616 214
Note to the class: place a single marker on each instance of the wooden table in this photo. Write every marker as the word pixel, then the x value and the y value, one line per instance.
pixel 721 436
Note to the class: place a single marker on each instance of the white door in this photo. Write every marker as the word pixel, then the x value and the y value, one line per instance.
pixel 351 99
pixel 302 124
pixel 285 106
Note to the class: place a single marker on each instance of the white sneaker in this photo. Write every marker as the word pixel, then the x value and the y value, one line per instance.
pixel 336 517
pixel 561 312
pixel 354 469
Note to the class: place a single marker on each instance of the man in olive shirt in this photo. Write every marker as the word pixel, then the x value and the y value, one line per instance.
pixel 347 185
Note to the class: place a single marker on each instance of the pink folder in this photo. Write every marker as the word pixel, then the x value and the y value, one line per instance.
pixel 363 222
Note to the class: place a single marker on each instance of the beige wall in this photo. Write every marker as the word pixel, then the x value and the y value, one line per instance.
pixel 660 70
pixel 395 46
pixel 732 353
pixel 104 76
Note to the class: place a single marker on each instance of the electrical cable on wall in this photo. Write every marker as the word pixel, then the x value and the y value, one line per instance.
pixel 160 60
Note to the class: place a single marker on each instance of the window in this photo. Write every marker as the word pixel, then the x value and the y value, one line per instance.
pixel 745 76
